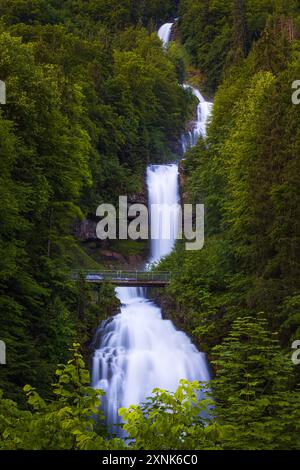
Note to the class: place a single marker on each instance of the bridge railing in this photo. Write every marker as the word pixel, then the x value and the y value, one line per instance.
pixel 122 275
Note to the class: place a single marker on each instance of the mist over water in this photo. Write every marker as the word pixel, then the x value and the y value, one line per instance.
pixel 137 350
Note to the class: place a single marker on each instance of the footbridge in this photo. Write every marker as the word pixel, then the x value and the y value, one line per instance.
pixel 121 278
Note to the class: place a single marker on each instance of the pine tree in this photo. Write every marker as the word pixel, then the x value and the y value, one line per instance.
pixel 252 389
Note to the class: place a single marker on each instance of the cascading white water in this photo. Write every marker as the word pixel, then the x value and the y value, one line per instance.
pixel 164 33
pixel 165 209
pixel 137 350
pixel 198 127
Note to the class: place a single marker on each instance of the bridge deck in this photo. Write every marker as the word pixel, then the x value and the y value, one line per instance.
pixel 124 278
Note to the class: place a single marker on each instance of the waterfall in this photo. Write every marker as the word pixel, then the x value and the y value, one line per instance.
pixel 164 202
pixel 198 127
pixel 204 107
pixel 164 33
pixel 137 350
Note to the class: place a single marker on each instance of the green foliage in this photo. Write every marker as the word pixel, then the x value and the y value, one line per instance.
pixel 247 175
pixel 170 421
pixel 252 389
pixel 219 33
pixel 65 423
pixel 113 14
pixel 197 299
pixel 91 98
pixel 94 304
pixel 253 407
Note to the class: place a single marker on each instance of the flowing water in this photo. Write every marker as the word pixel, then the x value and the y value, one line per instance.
pixel 164 33
pixel 164 201
pixel 137 350
pixel 197 127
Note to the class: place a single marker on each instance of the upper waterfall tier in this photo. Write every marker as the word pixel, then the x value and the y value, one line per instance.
pixel 204 110
pixel 164 33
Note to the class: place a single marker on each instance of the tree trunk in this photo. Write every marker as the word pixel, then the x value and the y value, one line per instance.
pixel 241 39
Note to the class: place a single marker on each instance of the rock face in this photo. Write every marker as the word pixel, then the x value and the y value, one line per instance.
pixel 139 198
pixel 174 32
pixel 135 260
pixel 85 230
pixel 114 257
pixel 182 177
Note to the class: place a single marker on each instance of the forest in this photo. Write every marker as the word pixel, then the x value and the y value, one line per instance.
pixel 92 99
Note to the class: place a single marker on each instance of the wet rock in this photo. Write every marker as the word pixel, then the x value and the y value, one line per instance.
pixel 113 256
pixel 142 196
pixel 135 259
